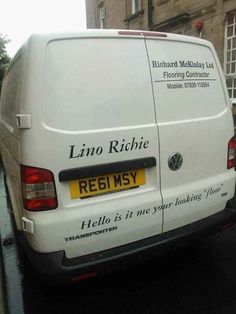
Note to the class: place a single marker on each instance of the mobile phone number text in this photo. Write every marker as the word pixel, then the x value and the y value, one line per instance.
pixel 196 84
pixel 188 85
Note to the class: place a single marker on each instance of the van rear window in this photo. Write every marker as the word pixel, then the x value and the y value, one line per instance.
pixel 97 83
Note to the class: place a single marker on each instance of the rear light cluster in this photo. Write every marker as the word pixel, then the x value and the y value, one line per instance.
pixel 38 189
pixel 231 153
pixel 83 277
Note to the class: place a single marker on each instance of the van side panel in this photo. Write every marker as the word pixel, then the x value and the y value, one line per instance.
pixel 11 99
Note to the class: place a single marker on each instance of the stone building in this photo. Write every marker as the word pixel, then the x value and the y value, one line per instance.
pixel 214 20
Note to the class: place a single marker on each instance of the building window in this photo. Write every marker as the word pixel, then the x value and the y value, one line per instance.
pixel 136 6
pixel 230 54
pixel 101 8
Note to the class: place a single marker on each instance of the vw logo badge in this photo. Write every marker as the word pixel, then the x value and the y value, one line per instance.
pixel 175 161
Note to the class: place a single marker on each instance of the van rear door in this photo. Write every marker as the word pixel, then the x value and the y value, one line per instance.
pixel 195 126
pixel 100 116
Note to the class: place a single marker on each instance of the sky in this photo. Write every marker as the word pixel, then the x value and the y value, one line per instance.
pixel 21 18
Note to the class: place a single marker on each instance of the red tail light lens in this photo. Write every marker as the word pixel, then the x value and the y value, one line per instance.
pixel 154 34
pixel 231 153
pixel 140 33
pixel 128 33
pixel 84 277
pixel 38 189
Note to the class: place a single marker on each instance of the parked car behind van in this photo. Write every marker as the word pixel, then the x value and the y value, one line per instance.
pixel 116 144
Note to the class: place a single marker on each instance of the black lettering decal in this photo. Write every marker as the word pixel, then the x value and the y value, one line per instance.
pixel 141 212
pixel 118 218
pixel 141 143
pixel 108 182
pixel 113 228
pixel 113 148
pixel 122 146
pixel 90 151
pixel 72 152
pixel 92 185
pixel 133 175
pixel 117 180
pixel 86 224
pixel 82 151
pixel 148 211
pixel 70 238
pixel 95 224
pixel 126 179
pixel 127 147
pixel 154 64
pixel 99 150
pixel 129 214
pixel 83 186
pixel 102 183
pixel 155 210
pixel 134 144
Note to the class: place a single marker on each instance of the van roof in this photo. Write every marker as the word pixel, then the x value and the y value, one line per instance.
pixel 41 40
pixel 44 38
pixel 115 33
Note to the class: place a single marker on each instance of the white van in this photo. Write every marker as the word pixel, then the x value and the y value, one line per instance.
pixel 116 144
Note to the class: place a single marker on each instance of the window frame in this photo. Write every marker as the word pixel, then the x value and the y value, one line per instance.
pixel 135 6
pixel 230 53
pixel 101 14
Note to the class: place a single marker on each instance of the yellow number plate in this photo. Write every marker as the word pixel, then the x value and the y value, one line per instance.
pixel 107 183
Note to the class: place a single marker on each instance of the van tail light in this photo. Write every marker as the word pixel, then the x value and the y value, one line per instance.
pixel 231 153
pixel 154 34
pixel 83 277
pixel 140 33
pixel 38 189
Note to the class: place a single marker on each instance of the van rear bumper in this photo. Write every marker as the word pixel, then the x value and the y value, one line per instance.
pixel 55 266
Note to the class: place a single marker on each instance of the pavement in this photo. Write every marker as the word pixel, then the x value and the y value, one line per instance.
pixel 11 298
